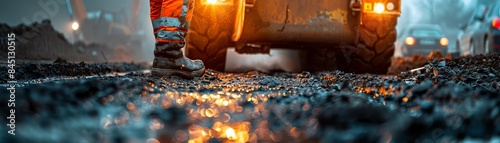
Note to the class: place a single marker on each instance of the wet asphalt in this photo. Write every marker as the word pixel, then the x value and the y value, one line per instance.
pixel 445 101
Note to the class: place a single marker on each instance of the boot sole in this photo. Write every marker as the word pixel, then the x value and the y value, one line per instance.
pixel 178 72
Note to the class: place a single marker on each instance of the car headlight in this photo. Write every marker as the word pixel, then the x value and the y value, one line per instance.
pixel 444 42
pixel 410 41
pixel 75 26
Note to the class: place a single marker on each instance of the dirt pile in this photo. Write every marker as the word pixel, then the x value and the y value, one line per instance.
pixel 482 70
pixel 40 41
pixel 401 64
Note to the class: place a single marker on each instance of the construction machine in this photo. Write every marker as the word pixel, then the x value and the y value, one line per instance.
pixel 350 35
pixel 112 29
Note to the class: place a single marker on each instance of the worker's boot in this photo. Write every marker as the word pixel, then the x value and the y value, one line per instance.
pixel 170 60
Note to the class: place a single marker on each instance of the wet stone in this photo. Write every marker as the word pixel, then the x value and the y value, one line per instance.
pixel 422 88
pixel 427 107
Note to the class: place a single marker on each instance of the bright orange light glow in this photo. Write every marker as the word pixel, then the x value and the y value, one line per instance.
pixel 443 42
pixel 379 8
pixel 230 134
pixel 209 112
pixel 152 140
pixel 405 99
pixel 211 1
pixel 368 6
pixel 410 41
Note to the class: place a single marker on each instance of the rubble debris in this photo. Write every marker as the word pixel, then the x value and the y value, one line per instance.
pixel 404 64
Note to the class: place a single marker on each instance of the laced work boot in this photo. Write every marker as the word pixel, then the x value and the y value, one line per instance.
pixel 170 60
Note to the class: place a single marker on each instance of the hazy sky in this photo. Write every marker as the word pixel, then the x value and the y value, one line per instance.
pixel 14 12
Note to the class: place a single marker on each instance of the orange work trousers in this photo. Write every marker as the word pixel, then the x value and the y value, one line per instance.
pixel 170 19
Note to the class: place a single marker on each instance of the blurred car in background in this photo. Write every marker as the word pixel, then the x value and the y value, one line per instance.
pixel 481 35
pixel 468 29
pixel 492 34
pixel 423 39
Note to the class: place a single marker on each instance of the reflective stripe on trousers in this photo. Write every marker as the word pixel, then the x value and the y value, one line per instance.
pixel 169 19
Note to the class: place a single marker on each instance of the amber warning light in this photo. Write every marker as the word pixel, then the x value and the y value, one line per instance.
pixel 211 1
pixel 217 2
pixel 379 8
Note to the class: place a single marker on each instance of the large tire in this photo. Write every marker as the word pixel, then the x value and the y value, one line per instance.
pixel 377 35
pixel 209 34
pixel 372 53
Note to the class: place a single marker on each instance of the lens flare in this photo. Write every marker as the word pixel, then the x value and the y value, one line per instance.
pixel 211 1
